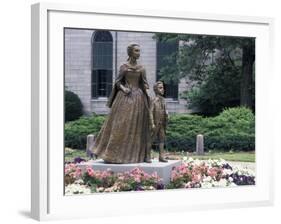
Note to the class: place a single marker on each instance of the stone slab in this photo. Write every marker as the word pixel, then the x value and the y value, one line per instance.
pixel 163 169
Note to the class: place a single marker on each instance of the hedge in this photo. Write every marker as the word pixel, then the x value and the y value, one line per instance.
pixel 75 132
pixel 73 106
pixel 233 129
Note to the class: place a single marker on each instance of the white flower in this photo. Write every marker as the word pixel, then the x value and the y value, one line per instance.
pixel 221 162
pixel 221 183
pixel 190 159
pixel 79 181
pixel 100 189
pixel 206 184
pixel 207 179
pixel 76 189
pixel 232 184
pixel 197 162
pixel 243 171
pixel 227 171
pixel 209 162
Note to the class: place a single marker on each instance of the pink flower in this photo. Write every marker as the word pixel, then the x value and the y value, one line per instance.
pixel 146 176
pixel 174 176
pixel 214 171
pixel 196 178
pixel 137 179
pixel 90 171
pixel 154 175
pixel 78 173
pixel 121 178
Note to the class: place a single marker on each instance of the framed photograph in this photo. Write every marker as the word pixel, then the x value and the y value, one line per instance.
pixel 148 111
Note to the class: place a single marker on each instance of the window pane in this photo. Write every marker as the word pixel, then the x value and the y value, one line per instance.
pixel 165 49
pixel 101 82
pixel 102 63
pixel 94 84
pixel 103 36
pixel 102 55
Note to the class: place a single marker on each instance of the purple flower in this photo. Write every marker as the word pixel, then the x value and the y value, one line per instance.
pixel 139 188
pixel 160 186
pixel 226 166
pixel 78 160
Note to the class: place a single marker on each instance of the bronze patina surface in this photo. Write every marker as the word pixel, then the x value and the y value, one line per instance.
pixel 125 135
pixel 160 119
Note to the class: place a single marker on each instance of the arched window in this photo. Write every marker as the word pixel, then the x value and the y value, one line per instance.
pixel 165 49
pixel 102 53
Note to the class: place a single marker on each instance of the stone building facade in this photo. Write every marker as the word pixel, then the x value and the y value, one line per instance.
pixel 92 61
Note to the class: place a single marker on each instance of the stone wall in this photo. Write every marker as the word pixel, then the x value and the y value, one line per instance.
pixel 78 64
pixel 148 52
pixel 78 47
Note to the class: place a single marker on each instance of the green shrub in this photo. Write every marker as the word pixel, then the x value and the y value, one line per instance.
pixel 75 132
pixel 233 129
pixel 73 106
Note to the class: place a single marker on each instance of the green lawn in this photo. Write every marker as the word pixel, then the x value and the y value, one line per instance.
pixel 228 156
pixel 70 154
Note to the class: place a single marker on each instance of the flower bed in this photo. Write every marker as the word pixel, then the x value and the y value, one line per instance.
pixel 191 174
pixel 211 173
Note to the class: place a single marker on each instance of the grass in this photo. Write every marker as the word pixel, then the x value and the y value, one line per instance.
pixel 239 156
pixel 70 154
pixel 229 156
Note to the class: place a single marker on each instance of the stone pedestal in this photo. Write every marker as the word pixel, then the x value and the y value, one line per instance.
pixel 200 145
pixel 90 145
pixel 163 169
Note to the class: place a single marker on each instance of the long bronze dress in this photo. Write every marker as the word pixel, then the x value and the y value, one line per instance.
pixel 124 135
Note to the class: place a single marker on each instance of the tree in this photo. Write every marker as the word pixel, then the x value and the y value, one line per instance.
pixel 73 106
pixel 220 89
pixel 209 62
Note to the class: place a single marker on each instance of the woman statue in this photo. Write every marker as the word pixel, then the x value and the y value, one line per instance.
pixel 125 135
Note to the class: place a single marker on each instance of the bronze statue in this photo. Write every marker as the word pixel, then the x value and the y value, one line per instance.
pixel 125 135
pixel 159 119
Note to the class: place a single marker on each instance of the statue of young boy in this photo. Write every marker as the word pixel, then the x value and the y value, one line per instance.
pixel 159 119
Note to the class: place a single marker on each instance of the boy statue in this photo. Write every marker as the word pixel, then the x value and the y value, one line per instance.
pixel 159 117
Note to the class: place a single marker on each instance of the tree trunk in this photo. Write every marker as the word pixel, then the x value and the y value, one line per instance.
pixel 248 59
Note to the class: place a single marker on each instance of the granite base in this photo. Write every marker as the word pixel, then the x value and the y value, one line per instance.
pixel 162 169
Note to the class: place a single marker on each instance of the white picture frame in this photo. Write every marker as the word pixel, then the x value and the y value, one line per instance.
pixel 48 200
